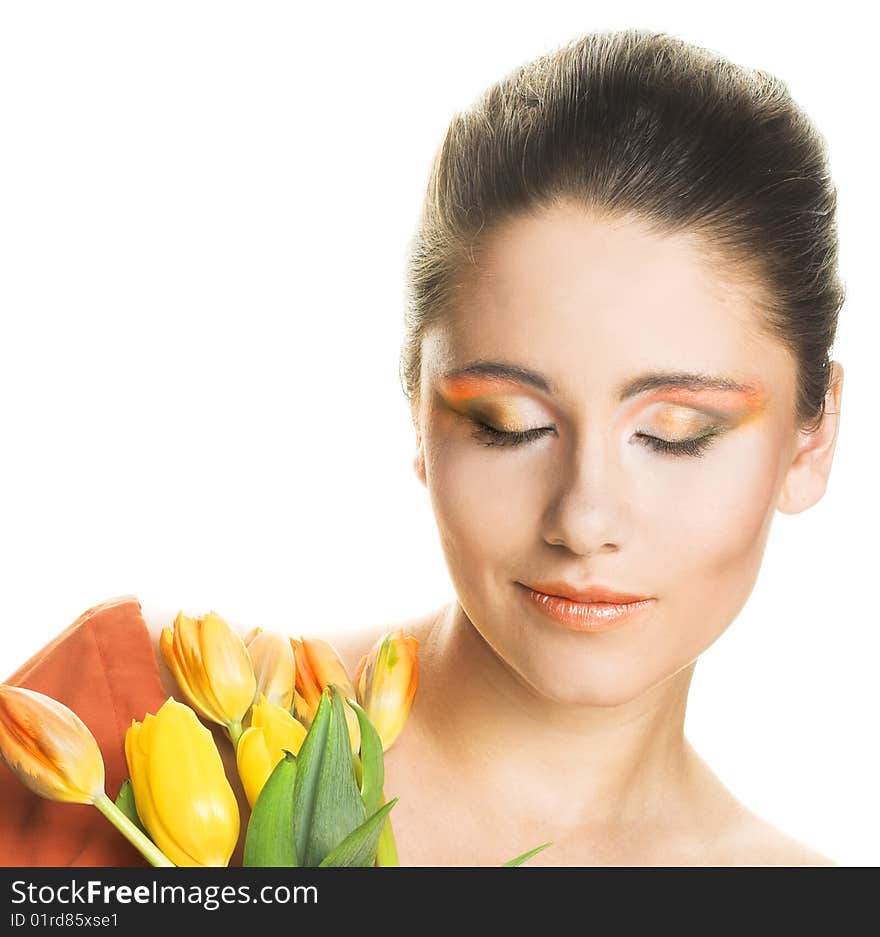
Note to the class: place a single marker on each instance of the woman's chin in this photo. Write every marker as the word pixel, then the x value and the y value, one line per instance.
pixel 569 685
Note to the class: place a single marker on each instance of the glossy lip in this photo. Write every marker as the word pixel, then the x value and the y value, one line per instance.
pixel 593 615
pixel 597 593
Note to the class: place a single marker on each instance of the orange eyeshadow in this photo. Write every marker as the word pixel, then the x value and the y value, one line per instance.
pixel 716 399
pixel 469 386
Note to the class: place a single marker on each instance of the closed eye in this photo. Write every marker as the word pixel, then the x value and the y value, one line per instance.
pixel 490 436
pixel 697 446
pixel 690 447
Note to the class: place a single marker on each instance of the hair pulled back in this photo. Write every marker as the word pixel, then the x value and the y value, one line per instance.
pixel 638 122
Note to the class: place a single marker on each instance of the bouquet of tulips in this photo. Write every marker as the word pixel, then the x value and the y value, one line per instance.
pixel 308 741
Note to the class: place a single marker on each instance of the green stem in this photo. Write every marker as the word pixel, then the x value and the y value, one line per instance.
pixel 386 852
pixel 235 731
pixel 145 846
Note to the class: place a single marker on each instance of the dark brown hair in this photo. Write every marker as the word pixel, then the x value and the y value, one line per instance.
pixel 634 122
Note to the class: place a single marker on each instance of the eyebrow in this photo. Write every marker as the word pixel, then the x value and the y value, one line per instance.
pixel 653 380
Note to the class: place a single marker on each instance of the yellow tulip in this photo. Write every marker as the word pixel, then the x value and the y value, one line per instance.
pixel 180 788
pixel 272 732
pixel 49 747
pixel 274 668
pixel 211 665
pixel 387 678
pixel 317 667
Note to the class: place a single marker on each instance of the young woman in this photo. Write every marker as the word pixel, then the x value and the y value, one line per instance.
pixel 622 297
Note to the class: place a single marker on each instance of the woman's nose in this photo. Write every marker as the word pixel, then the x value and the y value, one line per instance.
pixel 585 510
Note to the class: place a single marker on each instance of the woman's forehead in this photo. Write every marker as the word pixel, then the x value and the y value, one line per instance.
pixel 563 259
pixel 553 348
pixel 567 294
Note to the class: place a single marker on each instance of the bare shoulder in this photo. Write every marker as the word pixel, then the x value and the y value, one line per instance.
pixel 755 842
pixel 736 835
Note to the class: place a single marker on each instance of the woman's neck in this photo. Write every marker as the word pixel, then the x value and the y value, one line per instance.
pixel 590 767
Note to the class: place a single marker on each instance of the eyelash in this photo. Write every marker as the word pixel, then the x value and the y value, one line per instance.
pixel 687 447
pixel 696 447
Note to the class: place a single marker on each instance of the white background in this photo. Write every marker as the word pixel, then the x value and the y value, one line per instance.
pixel 204 210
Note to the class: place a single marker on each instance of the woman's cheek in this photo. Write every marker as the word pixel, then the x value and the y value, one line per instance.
pixel 721 531
pixel 480 498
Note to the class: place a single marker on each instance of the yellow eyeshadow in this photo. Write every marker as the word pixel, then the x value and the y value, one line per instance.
pixel 515 413
pixel 503 412
pixel 505 415
pixel 680 422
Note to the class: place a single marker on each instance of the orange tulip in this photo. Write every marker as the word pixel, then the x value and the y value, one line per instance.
pixel 274 667
pixel 307 691
pixel 317 667
pixel 212 667
pixel 49 747
pixel 387 678
pixel 53 752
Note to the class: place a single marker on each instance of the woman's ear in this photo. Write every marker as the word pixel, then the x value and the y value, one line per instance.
pixel 419 462
pixel 419 457
pixel 807 476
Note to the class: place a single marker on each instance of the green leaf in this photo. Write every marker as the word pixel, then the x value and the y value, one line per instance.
pixel 386 851
pixel 270 837
pixel 372 761
pixel 519 860
pixel 308 766
pixel 340 809
pixel 359 847
pixel 125 802
pixel 327 803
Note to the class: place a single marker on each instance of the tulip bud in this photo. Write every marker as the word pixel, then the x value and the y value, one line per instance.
pixel 180 788
pixel 307 691
pixel 272 657
pixel 387 678
pixel 212 667
pixel 301 710
pixel 272 732
pixel 49 747
pixel 317 667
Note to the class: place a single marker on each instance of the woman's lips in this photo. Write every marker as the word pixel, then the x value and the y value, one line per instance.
pixel 584 616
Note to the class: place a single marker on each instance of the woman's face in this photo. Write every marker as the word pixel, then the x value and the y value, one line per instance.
pixel 601 312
